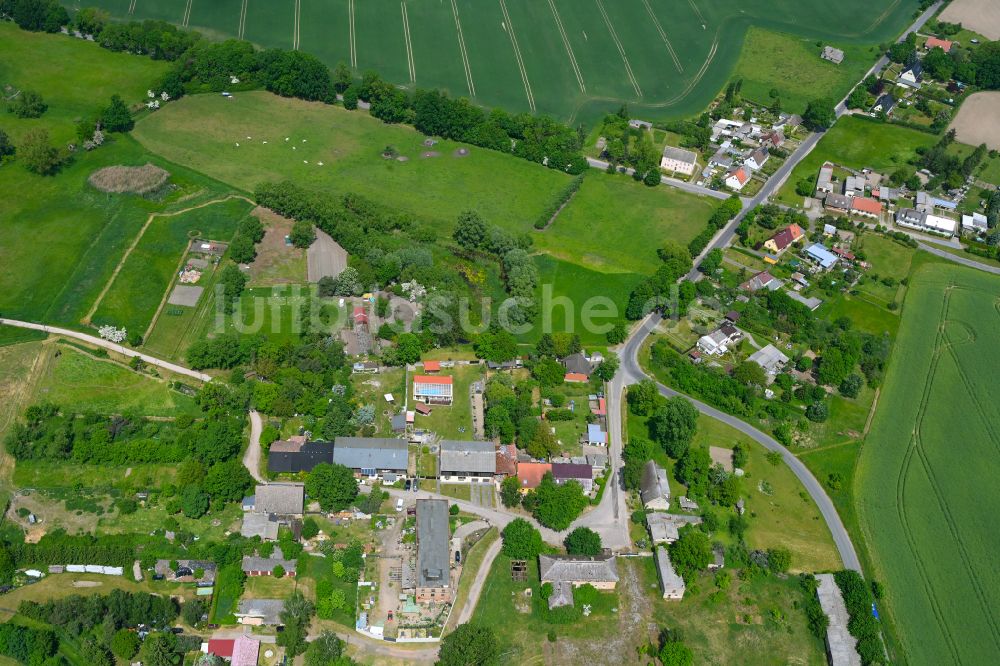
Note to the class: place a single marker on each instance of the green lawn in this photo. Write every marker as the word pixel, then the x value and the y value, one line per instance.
pixel 859 142
pixel 615 225
pixel 371 390
pixel 454 421
pixel 149 271
pixel 60 586
pixel 925 487
pixel 865 315
pixel 202 131
pixel 791 64
pixel 79 382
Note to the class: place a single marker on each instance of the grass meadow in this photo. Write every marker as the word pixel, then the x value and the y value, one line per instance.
pixel 79 382
pixel 615 225
pixel 858 142
pixel 791 65
pixel 202 131
pixel 571 60
pixel 75 78
pixel 53 270
pixel 925 486
pixel 148 271
pixel 780 512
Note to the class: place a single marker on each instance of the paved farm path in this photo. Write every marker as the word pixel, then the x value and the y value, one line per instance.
pixel 477 585
pixel 251 457
pixel 971 263
pixel 112 346
pixel 138 237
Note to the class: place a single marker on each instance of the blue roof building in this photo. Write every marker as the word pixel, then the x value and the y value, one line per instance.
pixel 822 256
pixel 596 436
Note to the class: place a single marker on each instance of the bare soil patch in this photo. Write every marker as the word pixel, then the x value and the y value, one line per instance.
pixel 982 16
pixel 978 121
pixel 186 296
pixel 276 262
pixel 135 180
pixel 325 257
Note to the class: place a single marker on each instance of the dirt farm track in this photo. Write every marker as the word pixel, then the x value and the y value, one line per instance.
pixel 982 16
pixel 978 121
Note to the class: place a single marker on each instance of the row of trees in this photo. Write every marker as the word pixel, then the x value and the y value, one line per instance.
pixel 77 614
pixel 46 434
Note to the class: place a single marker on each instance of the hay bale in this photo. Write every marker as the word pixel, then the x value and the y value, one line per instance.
pixel 136 180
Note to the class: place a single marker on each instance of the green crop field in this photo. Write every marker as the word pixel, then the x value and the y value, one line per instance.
pixel 574 59
pixel 148 271
pixel 926 484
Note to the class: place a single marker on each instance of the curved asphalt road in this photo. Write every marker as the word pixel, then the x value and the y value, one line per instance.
pixel 633 374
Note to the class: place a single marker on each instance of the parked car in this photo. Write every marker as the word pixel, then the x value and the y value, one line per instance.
pixel 399 504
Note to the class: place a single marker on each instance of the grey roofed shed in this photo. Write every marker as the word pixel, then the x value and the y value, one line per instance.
pixel 433 536
pixel 578 363
pixel 371 453
pixel 268 610
pixel 769 358
pixel 671 584
pixel 283 499
pixel 654 488
pixel 834 200
pixel 468 457
pixel 577 569
pixel 262 525
pixel 681 155
pixel 255 563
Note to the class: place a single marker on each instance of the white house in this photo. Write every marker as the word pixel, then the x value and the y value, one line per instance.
pixel 737 178
pixel 717 342
pixel 975 223
pixel 679 160
pixel 758 159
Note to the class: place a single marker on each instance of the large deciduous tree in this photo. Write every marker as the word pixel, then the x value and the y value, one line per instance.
pixel 673 426
pixel 469 645
pixel 333 486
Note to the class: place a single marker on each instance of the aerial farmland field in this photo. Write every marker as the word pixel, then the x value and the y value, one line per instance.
pixel 574 59
pixel 926 486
